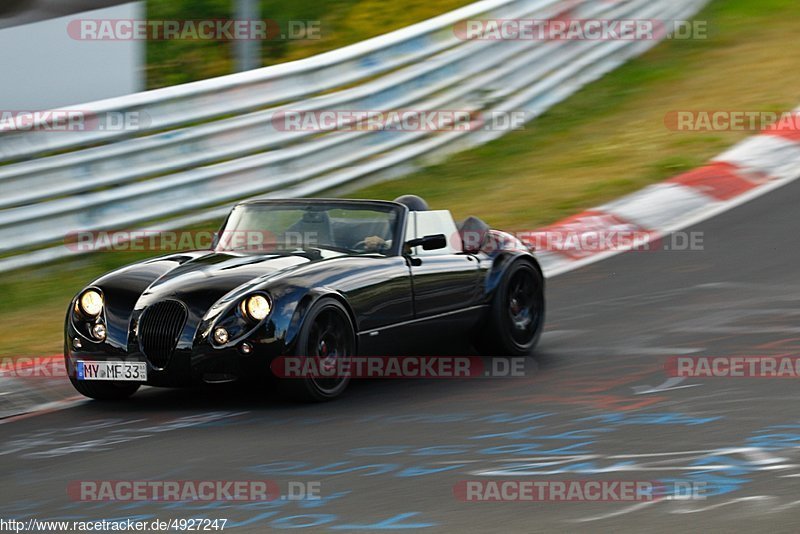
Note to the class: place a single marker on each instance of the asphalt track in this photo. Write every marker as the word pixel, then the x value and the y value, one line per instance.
pixel 595 404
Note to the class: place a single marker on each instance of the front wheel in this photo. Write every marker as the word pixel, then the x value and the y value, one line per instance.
pixel 327 336
pixel 516 314
pixel 108 391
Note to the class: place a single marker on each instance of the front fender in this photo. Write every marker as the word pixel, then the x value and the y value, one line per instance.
pixel 303 304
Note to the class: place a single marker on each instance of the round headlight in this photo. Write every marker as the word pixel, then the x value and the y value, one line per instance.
pixel 91 303
pixel 256 307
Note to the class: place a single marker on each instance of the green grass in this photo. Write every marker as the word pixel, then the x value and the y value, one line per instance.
pixel 610 138
pixel 341 22
pixel 605 141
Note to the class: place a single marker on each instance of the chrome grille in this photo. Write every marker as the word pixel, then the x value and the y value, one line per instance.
pixel 159 328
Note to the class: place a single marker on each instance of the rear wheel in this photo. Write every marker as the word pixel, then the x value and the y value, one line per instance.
pixel 104 390
pixel 516 315
pixel 327 336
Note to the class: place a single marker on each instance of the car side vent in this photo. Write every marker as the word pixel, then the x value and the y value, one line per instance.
pixel 160 327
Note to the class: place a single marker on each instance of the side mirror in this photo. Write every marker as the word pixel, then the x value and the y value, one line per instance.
pixel 429 242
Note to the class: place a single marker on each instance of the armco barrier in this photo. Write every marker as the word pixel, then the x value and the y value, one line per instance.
pixel 206 144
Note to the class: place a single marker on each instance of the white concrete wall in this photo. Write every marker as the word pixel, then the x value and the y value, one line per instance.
pixel 42 67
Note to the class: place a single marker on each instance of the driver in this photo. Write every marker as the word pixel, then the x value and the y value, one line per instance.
pixel 374 243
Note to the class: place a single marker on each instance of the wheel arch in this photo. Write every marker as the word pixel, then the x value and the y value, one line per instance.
pixel 502 263
pixel 305 303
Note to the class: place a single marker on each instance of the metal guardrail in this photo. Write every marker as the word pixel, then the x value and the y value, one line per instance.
pixel 209 143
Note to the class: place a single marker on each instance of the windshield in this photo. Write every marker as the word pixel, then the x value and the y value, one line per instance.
pixel 349 227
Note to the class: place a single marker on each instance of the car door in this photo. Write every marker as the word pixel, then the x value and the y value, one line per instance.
pixel 444 281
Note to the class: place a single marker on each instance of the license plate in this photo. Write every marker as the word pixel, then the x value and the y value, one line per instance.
pixel 116 371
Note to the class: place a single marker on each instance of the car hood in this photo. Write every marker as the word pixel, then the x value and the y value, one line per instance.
pixel 203 280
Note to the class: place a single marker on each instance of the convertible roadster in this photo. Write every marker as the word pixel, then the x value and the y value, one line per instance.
pixel 323 278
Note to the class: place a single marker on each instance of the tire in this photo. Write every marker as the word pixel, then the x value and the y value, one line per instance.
pixel 516 313
pixel 328 333
pixel 106 391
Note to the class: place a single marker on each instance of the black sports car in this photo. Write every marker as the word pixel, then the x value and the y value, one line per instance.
pixel 321 278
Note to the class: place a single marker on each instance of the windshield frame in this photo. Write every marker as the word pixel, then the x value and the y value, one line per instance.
pixel 400 210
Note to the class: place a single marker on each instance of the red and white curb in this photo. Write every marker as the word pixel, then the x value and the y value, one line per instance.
pixel 748 170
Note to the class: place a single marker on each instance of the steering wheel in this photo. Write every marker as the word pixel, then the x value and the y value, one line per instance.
pixel 362 246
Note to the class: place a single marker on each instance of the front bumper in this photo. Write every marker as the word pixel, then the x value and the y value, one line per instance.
pixel 186 367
